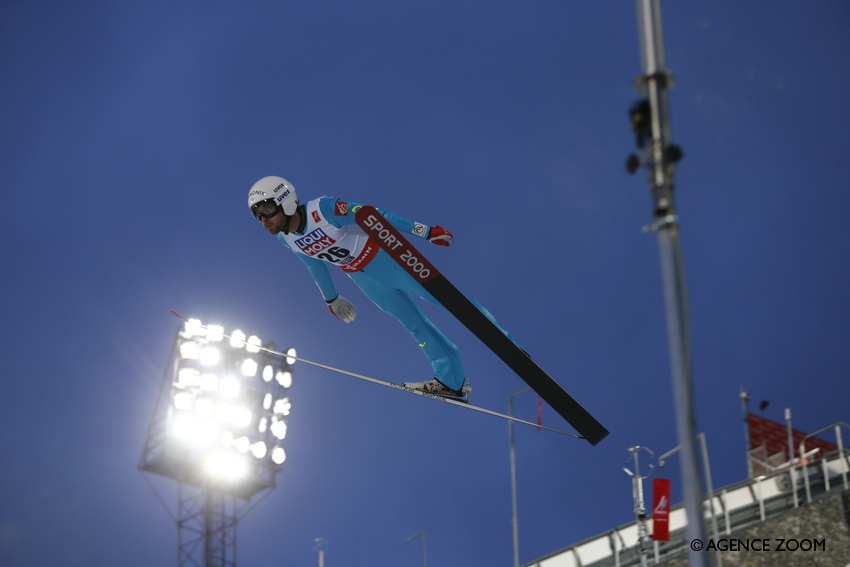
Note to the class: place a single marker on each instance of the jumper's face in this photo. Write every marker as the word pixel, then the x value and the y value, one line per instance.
pixel 274 224
pixel 270 214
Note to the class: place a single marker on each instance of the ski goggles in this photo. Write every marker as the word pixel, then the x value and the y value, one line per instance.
pixel 265 209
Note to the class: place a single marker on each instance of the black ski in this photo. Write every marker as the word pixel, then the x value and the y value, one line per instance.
pixel 397 246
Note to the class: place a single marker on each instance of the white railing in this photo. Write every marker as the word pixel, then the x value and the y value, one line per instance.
pixel 842 457
pixel 734 507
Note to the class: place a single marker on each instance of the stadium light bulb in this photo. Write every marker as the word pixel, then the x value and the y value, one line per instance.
pixel 183 401
pixel 193 328
pixel 284 379
pixel 204 406
pixel 243 444
pixel 267 401
pixel 190 350
pixel 215 332
pixel 237 339
pixel 192 428
pixel 209 382
pixel 263 425
pixel 227 439
pixel 224 412
pixel 188 377
pixel 242 417
pixel 291 353
pixel 226 465
pixel 182 426
pixel 278 455
pixel 249 368
pixel 282 406
pixel 254 344
pixel 209 356
pixel 279 429
pixel 258 449
pixel 229 388
pixel 268 373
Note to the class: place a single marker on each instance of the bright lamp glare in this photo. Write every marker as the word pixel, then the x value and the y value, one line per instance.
pixel 279 429
pixel 183 401
pixel 267 401
pixel 237 339
pixel 278 455
pixel 264 423
pixel 291 354
pixel 242 417
pixel 209 382
pixel 224 412
pixel 188 377
pixel 204 406
pixel 268 373
pixel 254 343
pixel 229 388
pixel 193 328
pixel 258 449
pixel 243 444
pixel 226 465
pixel 183 426
pixel 227 439
pixel 190 350
pixel 195 429
pixel 215 332
pixel 282 406
pixel 209 356
pixel 284 379
pixel 249 368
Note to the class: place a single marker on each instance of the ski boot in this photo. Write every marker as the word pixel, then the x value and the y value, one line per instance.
pixel 437 388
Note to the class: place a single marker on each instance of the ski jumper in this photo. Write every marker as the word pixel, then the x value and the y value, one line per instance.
pixel 331 236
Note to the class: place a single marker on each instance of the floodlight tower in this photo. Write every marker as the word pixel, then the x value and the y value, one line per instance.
pixel 217 428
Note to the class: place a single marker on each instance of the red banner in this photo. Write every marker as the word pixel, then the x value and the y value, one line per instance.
pixel 661 509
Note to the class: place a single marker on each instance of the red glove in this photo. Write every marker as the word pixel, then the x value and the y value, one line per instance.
pixel 440 236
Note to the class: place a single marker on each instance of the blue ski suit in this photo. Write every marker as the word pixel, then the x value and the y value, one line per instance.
pixel 331 236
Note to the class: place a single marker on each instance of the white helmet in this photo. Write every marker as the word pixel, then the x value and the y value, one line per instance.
pixel 276 189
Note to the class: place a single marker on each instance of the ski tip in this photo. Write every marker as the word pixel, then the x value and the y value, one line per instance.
pixel 178 315
pixel 597 437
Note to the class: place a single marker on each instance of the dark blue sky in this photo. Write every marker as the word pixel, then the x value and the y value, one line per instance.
pixel 132 131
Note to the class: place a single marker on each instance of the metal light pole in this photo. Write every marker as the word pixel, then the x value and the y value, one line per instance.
pixel 637 494
pixel 745 398
pixel 791 468
pixel 514 525
pixel 320 548
pixel 651 122
pixel 424 552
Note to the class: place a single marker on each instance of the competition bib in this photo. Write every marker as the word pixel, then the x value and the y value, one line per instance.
pixel 348 247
